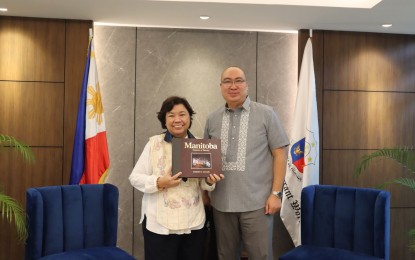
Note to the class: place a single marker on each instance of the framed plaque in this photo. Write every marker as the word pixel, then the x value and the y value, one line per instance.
pixel 196 158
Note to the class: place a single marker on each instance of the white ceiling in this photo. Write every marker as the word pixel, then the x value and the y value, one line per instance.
pixel 224 16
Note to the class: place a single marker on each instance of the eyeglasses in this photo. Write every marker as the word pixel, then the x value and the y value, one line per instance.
pixel 228 82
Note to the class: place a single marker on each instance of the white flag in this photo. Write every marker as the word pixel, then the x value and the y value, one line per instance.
pixel 303 154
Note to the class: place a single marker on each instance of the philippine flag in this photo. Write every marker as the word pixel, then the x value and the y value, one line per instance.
pixel 90 158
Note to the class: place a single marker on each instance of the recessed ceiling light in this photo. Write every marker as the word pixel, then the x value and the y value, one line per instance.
pixel 386 25
pixel 3 9
pixel 204 17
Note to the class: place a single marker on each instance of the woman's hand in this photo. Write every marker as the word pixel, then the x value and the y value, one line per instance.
pixel 168 181
pixel 214 178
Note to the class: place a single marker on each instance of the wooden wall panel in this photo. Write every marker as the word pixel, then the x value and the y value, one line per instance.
pixel 15 177
pixel 369 61
pixel 402 220
pixel 77 37
pixel 41 68
pixel 368 120
pixel 367 101
pixel 339 166
pixel 32 112
pixel 10 247
pixel 46 170
pixel 32 49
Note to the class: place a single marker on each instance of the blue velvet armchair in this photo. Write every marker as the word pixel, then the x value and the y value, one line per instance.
pixel 343 223
pixel 73 222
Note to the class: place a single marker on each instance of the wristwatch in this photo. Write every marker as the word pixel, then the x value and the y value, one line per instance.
pixel 277 193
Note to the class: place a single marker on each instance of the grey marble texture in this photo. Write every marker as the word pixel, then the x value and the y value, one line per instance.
pixel 186 63
pixel 277 73
pixel 115 49
pixel 139 67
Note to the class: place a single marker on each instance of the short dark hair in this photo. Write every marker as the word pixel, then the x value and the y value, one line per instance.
pixel 168 105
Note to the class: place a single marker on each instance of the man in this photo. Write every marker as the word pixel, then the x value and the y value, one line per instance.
pixel 254 161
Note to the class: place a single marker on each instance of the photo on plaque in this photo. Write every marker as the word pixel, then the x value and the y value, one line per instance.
pixel 196 158
pixel 201 161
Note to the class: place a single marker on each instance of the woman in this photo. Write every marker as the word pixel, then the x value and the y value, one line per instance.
pixel 172 211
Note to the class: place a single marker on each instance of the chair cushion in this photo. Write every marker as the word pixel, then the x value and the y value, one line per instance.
pixel 104 253
pixel 324 253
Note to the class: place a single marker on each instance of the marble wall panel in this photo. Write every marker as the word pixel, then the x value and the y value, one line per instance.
pixel 277 72
pixel 139 67
pixel 115 55
pixel 186 63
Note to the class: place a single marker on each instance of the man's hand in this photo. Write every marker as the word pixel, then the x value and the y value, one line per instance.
pixel 273 204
